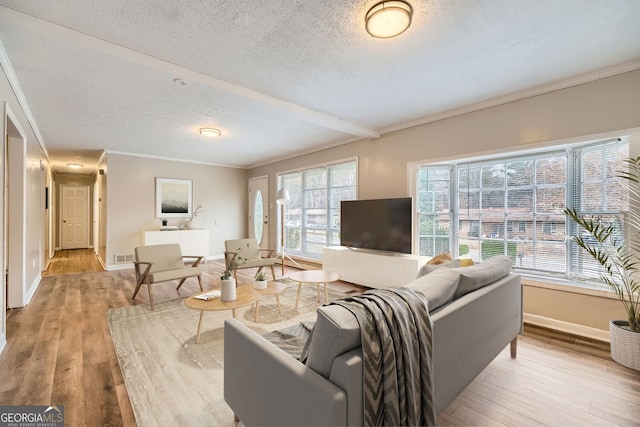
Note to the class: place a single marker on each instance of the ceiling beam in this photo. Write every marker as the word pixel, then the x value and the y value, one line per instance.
pixel 124 53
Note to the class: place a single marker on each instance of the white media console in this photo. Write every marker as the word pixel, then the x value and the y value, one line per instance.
pixel 374 269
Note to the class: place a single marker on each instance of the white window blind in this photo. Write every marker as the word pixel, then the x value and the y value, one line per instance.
pixel 598 193
pixel 513 206
pixel 312 219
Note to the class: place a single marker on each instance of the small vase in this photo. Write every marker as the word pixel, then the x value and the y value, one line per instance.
pixel 260 284
pixel 228 292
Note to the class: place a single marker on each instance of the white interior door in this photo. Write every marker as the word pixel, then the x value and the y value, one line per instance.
pixel 75 216
pixel 259 210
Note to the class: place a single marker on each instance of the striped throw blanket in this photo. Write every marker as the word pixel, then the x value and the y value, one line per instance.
pixel 397 351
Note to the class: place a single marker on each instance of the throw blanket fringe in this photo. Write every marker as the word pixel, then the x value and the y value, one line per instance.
pixel 398 360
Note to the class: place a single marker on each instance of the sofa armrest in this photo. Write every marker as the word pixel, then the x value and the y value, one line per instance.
pixel 346 373
pixel 478 325
pixel 264 385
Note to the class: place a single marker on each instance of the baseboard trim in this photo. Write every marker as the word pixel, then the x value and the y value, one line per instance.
pixel 569 328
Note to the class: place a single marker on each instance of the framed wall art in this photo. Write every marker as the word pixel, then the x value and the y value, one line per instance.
pixel 173 198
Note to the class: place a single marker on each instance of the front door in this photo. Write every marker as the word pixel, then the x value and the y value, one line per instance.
pixel 259 210
pixel 75 216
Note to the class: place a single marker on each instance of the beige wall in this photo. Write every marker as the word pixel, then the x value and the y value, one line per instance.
pixel 610 106
pixel 28 254
pixel 101 215
pixel 131 201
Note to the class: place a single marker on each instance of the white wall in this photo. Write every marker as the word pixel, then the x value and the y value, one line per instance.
pixel 609 106
pixel 221 191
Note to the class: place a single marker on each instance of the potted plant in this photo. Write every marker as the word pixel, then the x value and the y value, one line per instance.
pixel 620 260
pixel 260 281
pixel 228 287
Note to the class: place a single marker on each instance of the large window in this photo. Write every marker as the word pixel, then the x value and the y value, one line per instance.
pixel 513 206
pixel 312 219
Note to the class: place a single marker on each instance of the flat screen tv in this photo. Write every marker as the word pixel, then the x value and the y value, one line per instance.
pixel 381 224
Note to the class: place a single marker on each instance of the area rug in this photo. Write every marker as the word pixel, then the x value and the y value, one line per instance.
pixel 170 379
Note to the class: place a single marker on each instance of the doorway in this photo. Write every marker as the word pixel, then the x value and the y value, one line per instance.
pixel 259 210
pixel 74 205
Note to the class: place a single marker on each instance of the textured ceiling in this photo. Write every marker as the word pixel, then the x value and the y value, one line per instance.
pixel 280 77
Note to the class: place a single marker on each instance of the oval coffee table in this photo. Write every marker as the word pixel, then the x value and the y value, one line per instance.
pixel 245 295
pixel 316 277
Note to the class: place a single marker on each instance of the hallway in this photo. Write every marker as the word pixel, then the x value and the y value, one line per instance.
pixel 73 261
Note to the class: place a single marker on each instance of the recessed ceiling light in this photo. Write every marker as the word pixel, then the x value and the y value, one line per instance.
pixel 180 82
pixel 210 132
pixel 74 165
pixel 388 19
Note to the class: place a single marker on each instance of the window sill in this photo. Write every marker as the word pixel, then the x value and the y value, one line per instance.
pixel 567 286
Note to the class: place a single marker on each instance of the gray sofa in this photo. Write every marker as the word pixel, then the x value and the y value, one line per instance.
pixel 476 312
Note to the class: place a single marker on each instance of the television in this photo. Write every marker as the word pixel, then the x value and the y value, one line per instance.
pixel 381 224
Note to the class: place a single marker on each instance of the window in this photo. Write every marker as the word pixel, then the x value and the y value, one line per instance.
pixel 312 219
pixel 513 206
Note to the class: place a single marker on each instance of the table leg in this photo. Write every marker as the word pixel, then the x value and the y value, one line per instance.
pixel 199 324
pixel 257 305
pixel 233 310
pixel 326 294
pixel 298 295
pixel 317 293
pixel 278 300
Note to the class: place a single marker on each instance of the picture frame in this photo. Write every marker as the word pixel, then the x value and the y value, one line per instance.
pixel 174 198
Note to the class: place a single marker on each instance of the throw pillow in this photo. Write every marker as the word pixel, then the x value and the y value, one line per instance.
pixel 337 331
pixel 438 287
pixel 472 278
pixel 466 262
pixel 429 268
pixel 440 258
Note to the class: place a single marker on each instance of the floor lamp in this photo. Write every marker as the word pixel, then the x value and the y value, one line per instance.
pixel 282 199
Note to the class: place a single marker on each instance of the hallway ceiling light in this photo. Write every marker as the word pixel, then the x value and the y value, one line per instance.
pixel 74 165
pixel 210 132
pixel 388 19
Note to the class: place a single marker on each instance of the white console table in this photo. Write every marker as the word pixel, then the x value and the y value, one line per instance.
pixel 374 269
pixel 192 242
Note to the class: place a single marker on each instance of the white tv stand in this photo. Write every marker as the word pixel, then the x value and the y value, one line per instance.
pixel 374 269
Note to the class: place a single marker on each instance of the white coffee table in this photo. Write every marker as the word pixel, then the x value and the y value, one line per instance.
pixel 317 277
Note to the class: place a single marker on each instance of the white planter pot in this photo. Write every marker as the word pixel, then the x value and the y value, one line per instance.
pixel 228 291
pixel 260 284
pixel 625 344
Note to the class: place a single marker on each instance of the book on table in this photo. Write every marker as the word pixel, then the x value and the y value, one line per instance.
pixel 208 295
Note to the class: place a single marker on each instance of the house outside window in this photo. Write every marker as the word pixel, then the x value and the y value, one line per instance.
pixel 513 205
pixel 312 219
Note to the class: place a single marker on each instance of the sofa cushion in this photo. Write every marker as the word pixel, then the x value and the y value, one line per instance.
pixel 438 287
pixel 164 257
pixel 178 273
pixel 336 332
pixel 429 268
pixel 479 275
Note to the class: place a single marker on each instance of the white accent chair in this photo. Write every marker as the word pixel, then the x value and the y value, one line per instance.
pixel 161 263
pixel 246 253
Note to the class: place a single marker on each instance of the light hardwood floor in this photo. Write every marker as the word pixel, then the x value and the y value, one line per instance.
pixel 59 352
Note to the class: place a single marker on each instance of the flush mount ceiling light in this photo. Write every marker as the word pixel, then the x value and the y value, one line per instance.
pixel 388 19
pixel 74 165
pixel 210 132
